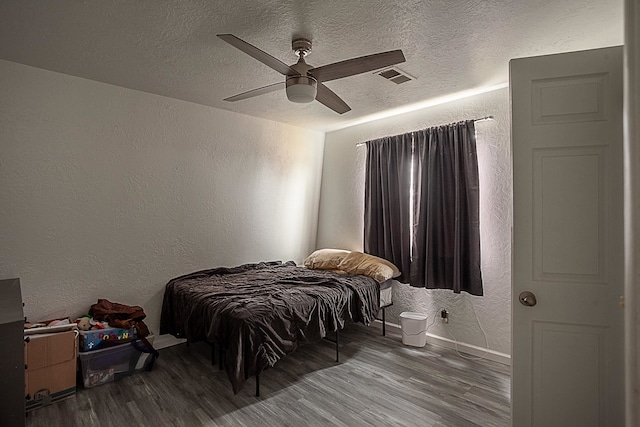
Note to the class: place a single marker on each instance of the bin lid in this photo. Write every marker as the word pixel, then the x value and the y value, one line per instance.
pixel 413 316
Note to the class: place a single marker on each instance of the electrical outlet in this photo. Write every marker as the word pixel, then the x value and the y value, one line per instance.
pixel 444 315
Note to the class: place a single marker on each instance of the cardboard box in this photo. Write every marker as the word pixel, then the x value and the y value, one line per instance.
pixel 50 368
pixel 100 338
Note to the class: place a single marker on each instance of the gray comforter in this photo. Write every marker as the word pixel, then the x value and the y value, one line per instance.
pixel 261 312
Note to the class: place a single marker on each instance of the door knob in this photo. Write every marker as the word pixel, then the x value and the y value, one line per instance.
pixel 527 298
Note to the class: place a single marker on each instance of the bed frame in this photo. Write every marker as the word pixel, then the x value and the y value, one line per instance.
pixel 198 293
pixel 336 341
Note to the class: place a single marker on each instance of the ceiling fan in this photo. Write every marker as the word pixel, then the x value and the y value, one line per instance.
pixel 303 82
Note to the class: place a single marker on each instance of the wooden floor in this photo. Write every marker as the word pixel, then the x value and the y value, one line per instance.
pixel 378 381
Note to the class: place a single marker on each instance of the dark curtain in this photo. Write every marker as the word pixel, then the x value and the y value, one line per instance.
pixel 446 251
pixel 387 226
pixel 446 232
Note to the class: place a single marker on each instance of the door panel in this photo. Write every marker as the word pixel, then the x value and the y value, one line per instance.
pixel 567 239
pixel 568 186
pixel 568 99
pixel 555 376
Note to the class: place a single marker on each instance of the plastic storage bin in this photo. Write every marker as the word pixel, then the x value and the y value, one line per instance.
pixel 414 328
pixel 112 363
pixel 97 339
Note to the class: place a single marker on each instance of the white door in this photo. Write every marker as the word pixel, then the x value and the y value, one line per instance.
pixel 567 349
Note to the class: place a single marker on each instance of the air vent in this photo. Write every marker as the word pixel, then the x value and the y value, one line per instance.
pixel 395 75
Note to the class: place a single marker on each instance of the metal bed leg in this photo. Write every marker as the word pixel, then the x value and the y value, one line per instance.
pixel 220 356
pixel 257 385
pixel 384 321
pixel 213 353
pixel 337 340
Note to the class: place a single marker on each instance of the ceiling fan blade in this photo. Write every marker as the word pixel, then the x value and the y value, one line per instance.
pixel 328 97
pixel 354 66
pixel 255 92
pixel 258 54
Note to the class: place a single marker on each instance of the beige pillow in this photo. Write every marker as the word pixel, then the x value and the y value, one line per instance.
pixel 325 259
pixel 369 265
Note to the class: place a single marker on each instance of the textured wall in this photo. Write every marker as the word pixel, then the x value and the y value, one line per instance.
pixel 107 192
pixel 342 201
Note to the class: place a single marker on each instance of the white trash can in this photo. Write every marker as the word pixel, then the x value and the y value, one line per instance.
pixel 414 328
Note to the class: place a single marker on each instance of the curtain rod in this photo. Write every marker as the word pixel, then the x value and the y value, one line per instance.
pixel 481 119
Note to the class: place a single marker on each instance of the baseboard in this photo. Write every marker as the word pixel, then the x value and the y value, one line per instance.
pixel 470 349
pixel 163 341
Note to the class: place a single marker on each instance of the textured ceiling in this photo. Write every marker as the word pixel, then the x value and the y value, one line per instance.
pixel 170 48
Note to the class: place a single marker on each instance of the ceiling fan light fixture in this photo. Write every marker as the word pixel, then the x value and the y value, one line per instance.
pixel 305 83
pixel 301 89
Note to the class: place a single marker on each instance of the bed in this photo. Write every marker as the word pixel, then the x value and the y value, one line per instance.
pixel 258 313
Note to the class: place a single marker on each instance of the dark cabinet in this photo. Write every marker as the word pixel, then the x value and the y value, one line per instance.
pixel 12 409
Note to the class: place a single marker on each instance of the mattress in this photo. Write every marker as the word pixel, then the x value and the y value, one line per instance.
pixel 386 294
